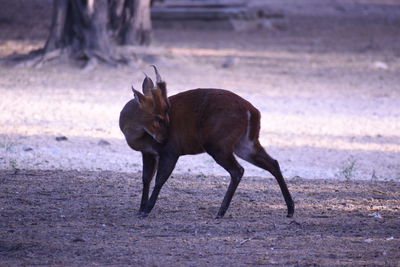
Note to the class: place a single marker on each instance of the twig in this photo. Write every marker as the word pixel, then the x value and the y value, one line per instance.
pixel 244 241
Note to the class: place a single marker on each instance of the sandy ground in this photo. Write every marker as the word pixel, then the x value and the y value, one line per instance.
pixel 327 82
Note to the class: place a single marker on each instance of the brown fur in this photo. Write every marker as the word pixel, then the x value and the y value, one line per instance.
pixel 215 121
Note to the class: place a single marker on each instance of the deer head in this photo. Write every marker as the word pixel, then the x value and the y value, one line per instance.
pixel 154 105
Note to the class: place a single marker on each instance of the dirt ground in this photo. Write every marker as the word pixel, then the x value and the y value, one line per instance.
pixel 327 82
pixel 77 218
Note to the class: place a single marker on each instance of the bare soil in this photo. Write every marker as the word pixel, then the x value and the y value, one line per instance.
pixel 327 82
pixel 78 218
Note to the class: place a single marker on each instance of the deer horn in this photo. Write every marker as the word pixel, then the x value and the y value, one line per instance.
pixel 158 77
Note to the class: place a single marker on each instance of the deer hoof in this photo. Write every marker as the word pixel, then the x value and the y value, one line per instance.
pixel 219 216
pixel 142 214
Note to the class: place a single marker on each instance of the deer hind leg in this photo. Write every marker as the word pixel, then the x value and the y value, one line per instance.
pixel 253 152
pixel 228 162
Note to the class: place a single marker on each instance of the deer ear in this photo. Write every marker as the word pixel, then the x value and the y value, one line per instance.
pixel 147 85
pixel 139 98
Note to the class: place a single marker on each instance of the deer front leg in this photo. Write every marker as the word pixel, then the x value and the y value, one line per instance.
pixel 149 168
pixel 166 165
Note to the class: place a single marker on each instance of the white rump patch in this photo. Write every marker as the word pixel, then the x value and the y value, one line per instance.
pixel 245 147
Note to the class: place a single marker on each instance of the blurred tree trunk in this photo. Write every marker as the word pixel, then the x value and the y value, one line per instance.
pixel 88 30
pixel 130 21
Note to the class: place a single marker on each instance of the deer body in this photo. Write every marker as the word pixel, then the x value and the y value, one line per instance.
pixel 201 118
pixel 214 121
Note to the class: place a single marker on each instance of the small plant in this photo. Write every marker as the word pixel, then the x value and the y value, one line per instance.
pixel 348 171
pixel 373 176
pixel 201 176
pixel 13 165
pixel 7 145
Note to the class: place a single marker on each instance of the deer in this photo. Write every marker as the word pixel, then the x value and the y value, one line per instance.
pixel 214 121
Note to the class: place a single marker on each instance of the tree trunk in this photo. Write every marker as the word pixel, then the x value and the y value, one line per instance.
pixel 89 34
pixel 57 26
pixel 89 29
pixel 138 27
pixel 131 22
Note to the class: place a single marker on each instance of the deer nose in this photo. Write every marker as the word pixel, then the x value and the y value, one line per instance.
pixel 160 138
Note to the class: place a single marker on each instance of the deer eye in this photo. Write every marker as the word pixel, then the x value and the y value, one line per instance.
pixel 159 119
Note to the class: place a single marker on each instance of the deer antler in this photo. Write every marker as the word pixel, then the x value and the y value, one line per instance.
pixel 158 77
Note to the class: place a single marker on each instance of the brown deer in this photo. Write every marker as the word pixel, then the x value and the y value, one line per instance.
pixel 215 121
